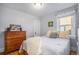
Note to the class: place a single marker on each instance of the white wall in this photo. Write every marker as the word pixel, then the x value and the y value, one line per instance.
pixel 11 16
pixel 44 24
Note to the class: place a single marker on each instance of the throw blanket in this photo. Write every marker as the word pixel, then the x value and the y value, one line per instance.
pixel 34 46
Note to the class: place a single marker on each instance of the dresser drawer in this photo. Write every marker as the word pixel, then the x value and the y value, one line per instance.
pixel 9 35
pixel 13 47
pixel 11 41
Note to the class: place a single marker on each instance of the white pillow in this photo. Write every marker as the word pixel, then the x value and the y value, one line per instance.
pixel 48 33
pixel 63 34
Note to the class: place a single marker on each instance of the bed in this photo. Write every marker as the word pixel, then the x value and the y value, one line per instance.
pixel 46 46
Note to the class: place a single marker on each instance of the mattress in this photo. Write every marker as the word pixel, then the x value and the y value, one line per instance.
pixel 46 46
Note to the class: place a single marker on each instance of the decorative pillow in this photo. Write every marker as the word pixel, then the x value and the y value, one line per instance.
pixel 63 34
pixel 48 33
pixel 52 34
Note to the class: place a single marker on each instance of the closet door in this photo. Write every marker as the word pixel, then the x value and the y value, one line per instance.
pixel 36 27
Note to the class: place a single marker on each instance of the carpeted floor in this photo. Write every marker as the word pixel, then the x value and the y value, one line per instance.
pixel 73 53
pixel 25 53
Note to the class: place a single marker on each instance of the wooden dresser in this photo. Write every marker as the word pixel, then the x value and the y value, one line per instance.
pixel 13 40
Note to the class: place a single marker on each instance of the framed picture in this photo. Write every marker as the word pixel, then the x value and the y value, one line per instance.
pixel 50 24
pixel 14 27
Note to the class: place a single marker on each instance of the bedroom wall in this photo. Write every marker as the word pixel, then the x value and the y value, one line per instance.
pixel 44 24
pixel 28 22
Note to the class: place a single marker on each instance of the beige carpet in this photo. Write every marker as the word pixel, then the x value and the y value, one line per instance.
pixel 25 53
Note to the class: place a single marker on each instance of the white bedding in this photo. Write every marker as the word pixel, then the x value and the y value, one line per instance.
pixel 46 46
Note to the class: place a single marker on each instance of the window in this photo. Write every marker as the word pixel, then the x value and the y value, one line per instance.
pixel 65 23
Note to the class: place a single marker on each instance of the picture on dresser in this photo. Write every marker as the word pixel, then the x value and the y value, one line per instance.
pixel 14 27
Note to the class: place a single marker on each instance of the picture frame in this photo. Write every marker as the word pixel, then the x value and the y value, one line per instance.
pixel 14 27
pixel 50 24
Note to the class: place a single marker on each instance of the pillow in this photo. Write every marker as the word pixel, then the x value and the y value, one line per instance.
pixel 63 34
pixel 52 34
pixel 48 33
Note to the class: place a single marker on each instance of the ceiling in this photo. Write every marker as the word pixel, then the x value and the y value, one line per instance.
pixel 48 8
